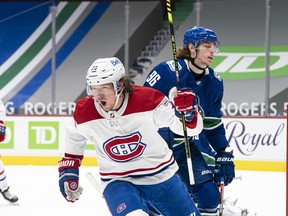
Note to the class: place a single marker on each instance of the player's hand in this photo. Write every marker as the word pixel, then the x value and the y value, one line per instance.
pixel 185 102
pixel 69 179
pixel 2 131
pixel 224 167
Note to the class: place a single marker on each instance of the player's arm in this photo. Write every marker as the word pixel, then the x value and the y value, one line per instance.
pixel 68 167
pixel 170 115
pixel 213 127
pixel 160 78
pixel 224 158
pixel 216 135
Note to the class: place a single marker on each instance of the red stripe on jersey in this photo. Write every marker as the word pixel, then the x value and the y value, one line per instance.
pixel 80 157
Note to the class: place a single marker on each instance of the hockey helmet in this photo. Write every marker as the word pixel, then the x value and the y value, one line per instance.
pixel 105 70
pixel 196 35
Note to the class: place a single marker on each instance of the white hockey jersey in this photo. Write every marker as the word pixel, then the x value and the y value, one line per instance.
pixel 127 143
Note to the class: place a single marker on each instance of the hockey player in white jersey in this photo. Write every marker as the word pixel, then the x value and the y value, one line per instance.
pixel 4 186
pixel 135 164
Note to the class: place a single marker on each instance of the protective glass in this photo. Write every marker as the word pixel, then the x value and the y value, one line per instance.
pixel 215 46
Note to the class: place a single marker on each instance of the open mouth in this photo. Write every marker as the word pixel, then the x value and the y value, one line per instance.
pixel 103 103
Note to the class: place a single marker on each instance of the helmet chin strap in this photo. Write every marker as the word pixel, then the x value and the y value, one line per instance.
pixel 117 97
pixel 198 67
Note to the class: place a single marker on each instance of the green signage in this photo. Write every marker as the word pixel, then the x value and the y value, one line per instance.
pixel 250 62
pixel 43 135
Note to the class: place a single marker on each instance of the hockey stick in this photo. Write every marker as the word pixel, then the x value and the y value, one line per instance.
pixel 186 141
pixel 221 188
pixel 93 181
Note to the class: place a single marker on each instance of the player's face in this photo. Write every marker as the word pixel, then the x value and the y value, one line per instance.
pixel 205 54
pixel 104 95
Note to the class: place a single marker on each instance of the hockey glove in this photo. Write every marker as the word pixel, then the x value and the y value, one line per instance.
pixel 185 102
pixel 224 167
pixel 68 179
pixel 2 131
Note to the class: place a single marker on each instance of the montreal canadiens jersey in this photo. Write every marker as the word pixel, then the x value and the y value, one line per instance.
pixel 127 143
pixel 209 89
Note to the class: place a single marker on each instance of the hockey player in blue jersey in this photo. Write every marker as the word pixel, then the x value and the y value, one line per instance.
pixel 199 46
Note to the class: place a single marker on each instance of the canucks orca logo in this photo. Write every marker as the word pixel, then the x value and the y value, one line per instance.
pixel 124 148
pixel 171 64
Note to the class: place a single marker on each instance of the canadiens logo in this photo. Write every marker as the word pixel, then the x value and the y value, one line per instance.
pixel 121 207
pixel 73 185
pixel 124 148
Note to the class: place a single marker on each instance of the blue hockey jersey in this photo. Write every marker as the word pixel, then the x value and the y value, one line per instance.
pixel 208 88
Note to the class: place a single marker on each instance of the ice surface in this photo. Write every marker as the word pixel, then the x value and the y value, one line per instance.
pixel 38 192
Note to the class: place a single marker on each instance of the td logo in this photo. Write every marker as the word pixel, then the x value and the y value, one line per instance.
pixel 43 135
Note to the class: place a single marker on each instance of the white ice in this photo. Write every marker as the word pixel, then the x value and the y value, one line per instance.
pixel 38 192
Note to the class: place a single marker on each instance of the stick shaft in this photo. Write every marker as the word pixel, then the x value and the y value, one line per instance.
pixel 93 181
pixel 221 199
pixel 174 51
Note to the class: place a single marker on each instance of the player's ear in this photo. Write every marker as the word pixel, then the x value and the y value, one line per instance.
pixel 192 50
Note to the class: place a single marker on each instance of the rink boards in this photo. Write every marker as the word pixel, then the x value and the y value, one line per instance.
pixel 258 143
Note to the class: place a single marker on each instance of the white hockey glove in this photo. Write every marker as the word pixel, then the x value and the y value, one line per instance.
pixel 72 190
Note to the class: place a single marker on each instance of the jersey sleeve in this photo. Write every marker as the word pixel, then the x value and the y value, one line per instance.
pixel 161 78
pixel 217 137
pixel 77 133
pixel 213 125
pixel 165 117
pixel 75 140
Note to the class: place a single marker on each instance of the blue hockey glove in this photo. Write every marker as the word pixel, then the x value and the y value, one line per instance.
pixel 2 131
pixel 185 102
pixel 68 179
pixel 224 167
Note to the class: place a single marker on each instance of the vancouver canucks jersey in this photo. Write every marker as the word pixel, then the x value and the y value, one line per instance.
pixel 209 89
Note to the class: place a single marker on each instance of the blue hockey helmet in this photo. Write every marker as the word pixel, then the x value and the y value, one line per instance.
pixel 196 35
